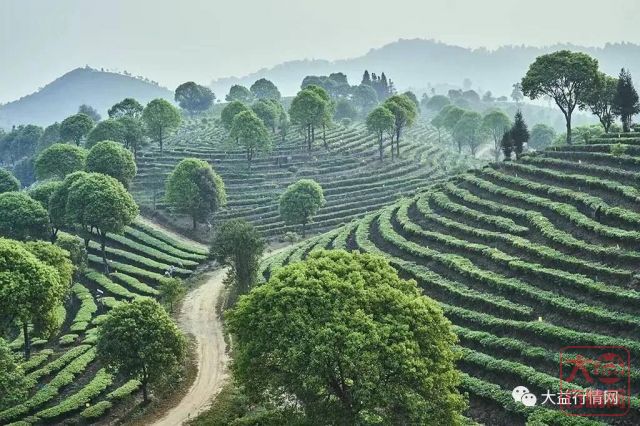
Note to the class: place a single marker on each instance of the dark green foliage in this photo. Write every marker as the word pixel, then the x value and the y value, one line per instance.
pixel 267 110
pixel 239 246
pixel 506 144
pixel 601 100
pixel 161 119
pixel 196 189
pixel 13 384
pixel 22 217
pixel 75 128
pixel 59 160
pixel 8 182
pixel 58 202
pixel 112 159
pixel 300 202
pixel 381 121
pixel 50 136
pixel 43 191
pixel 519 134
pixel 230 111
pixel 345 109
pixel 171 290
pixel 107 130
pixel 133 136
pixel 249 132
pixel 404 111
pixel 239 93
pixel 77 251
pixel 90 112
pixel 20 142
pixel 326 332
pixel 265 89
pixel 364 98
pixel 625 100
pixel 194 97
pixel 128 107
pixel 138 340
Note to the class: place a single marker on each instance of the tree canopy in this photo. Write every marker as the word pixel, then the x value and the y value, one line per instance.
pixel 22 217
pixel 75 128
pixel 364 98
pixel 8 182
pixel 128 107
pixel 300 202
pixel 161 119
pixel 107 130
pixel 59 160
pixel 307 110
pixel 468 131
pixel 381 122
pixel 239 93
pixel 601 98
pixel 90 111
pixel 437 102
pixel 230 111
pixel 541 136
pixel 196 189
pixel 13 384
pixel 326 332
pixel 625 99
pixel 519 134
pixel 495 123
pixel 194 97
pixel 404 111
pixel 113 159
pixel 249 132
pixel 265 89
pixel 140 341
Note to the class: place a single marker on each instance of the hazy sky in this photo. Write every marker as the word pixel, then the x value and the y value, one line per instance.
pixel 179 40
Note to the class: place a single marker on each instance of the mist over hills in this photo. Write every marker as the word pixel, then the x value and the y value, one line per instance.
pixel 61 98
pixel 420 64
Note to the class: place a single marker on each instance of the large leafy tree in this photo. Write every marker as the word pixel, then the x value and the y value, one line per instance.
pixel 541 136
pixel 100 203
pixel 404 112
pixel 564 76
pixel 381 122
pixel 20 142
pixel 495 123
pixel 133 136
pixel 8 182
pixel 437 102
pixel 625 100
pixel 600 100
pixel 239 93
pixel 328 109
pixel 113 159
pixel 128 107
pixel 325 334
pixel 42 191
pixel 196 189
pixel 90 111
pixel 22 217
pixel 138 340
pixel 268 111
pixel 161 119
pixel 76 127
pixel 194 97
pixel 519 134
pixel 265 89
pixel 107 130
pixel 58 206
pixel 30 290
pixel 50 136
pixel 468 131
pixel 13 383
pixel 307 111
pixel 59 160
pixel 230 111
pixel 249 132
pixel 238 245
pixel 364 98
pixel 300 202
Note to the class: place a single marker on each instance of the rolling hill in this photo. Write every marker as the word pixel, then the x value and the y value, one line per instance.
pixel 525 257
pixel 61 98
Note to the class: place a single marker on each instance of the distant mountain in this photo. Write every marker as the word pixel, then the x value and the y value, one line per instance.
pixel 420 63
pixel 61 98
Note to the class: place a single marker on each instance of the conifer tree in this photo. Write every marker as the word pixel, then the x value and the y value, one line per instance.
pixel 625 101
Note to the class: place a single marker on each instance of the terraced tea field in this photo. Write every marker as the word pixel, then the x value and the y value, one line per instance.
pixel 525 258
pixel 353 179
pixel 68 382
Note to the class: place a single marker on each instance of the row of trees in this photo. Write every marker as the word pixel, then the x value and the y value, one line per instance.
pixel 391 118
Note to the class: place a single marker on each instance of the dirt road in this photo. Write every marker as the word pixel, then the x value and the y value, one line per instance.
pixel 199 318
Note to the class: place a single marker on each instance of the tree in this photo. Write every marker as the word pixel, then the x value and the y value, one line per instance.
pixel 8 182
pixel 381 121
pixel 112 159
pixel 239 93
pixel 13 384
pixel 193 97
pixel 541 136
pixel 22 217
pixel 437 102
pixel 133 136
pixel 56 257
pixel 328 111
pixel 50 136
pixel 250 132
pixel 230 111
pixel 99 202
pixel 519 134
pixel 107 130
pixel 75 128
pixel 128 107
pixel 488 97
pixel 625 100
pixel 20 142
pixel 265 89
pixel 495 123
pixel 307 110
pixel 59 160
pixel 300 202
pixel 30 290
pixel 196 189
pixel 90 111
pixel 43 191
pixel 325 333
pixel 566 77
pixel 161 119
pixel 404 112
pixel 77 252
pixel 268 112
pixel 468 130
pixel 412 96
pixel 345 109
pixel 58 206
pixel 516 93
pixel 171 290
pixel 140 341
pixel 364 98
pixel 601 100
pixel 239 246
pixel 506 143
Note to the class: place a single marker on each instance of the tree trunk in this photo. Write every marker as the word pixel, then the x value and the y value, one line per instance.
pixel 194 222
pixel 160 140
pixel 393 153
pixel 324 136
pixel 626 119
pixel 309 137
pixel 304 229
pixel 380 147
pixel 568 118
pixel 27 343
pixel 86 243
pixel 313 133
pixel 496 148
pixel 145 393
pixel 103 238
pixel 398 142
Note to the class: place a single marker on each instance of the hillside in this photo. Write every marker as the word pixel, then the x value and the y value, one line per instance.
pixel 525 258
pixel 61 98
pixel 67 377
pixel 417 63
pixel 353 179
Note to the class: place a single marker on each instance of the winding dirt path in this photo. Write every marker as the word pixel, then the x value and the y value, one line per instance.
pixel 199 318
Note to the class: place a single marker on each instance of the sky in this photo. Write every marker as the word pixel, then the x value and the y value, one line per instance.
pixel 180 40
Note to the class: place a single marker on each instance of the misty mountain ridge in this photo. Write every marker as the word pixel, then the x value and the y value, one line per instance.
pixel 62 97
pixel 422 64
